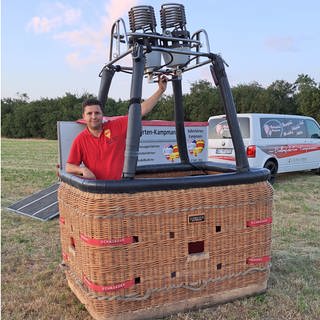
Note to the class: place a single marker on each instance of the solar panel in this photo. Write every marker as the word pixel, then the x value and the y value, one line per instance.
pixel 42 205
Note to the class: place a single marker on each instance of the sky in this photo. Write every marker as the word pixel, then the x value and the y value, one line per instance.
pixel 50 48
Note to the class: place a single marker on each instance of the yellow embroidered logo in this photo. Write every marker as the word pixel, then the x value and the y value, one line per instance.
pixel 107 133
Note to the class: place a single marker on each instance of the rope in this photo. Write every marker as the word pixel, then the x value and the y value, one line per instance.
pixel 193 287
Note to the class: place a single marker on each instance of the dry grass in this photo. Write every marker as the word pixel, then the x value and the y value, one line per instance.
pixel 34 287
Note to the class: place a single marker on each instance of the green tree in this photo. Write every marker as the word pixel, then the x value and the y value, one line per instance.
pixel 164 110
pixel 10 107
pixel 21 118
pixel 248 97
pixel 278 98
pixel 202 102
pixel 307 96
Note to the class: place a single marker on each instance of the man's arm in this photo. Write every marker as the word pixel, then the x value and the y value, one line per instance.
pixel 79 171
pixel 147 105
pixel 73 165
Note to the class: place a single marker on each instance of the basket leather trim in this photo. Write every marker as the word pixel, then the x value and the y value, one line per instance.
pixel 106 242
pixel 257 223
pixel 256 260
pixel 65 256
pixel 226 178
pixel 62 220
pixel 114 287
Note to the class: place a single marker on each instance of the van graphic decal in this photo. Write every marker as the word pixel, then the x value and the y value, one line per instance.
pixel 283 151
pixel 272 128
pixel 282 128
pixel 222 129
pixel 278 151
pixel 227 158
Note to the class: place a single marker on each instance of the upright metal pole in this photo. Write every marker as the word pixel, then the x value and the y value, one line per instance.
pixel 106 78
pixel 134 114
pixel 220 78
pixel 179 119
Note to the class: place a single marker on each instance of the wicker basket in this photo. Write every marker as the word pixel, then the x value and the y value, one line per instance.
pixel 149 254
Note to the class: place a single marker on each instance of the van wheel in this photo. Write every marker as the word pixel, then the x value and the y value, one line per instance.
pixel 273 168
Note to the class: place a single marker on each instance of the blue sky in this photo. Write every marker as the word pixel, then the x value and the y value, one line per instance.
pixel 49 48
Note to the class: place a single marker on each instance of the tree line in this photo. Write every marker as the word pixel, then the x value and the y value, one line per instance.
pixel 22 118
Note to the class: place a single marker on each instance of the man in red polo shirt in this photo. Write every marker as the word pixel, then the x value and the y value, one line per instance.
pixel 98 151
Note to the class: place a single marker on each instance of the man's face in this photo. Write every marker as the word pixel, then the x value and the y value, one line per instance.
pixel 93 117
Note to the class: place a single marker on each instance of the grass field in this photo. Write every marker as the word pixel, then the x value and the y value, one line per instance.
pixel 34 286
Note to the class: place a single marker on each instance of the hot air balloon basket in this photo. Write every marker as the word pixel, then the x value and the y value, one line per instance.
pixel 148 254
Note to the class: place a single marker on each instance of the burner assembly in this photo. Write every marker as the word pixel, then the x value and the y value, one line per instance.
pixel 170 52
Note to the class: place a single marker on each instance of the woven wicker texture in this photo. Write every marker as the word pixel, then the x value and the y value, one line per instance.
pixel 126 254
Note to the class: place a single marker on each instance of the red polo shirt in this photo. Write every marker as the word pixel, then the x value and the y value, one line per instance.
pixel 103 155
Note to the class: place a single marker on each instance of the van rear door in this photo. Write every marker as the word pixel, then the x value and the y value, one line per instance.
pixel 220 146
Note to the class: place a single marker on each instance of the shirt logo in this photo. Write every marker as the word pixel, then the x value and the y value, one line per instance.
pixel 107 133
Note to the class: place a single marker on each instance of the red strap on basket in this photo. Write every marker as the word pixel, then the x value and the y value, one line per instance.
pixel 62 220
pixel 106 242
pixel 258 260
pixel 114 287
pixel 65 257
pixel 257 223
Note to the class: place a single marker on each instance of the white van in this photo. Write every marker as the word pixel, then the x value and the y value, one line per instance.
pixel 281 143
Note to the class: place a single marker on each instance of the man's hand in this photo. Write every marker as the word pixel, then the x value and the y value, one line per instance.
pixel 79 171
pixel 162 82
pixel 87 174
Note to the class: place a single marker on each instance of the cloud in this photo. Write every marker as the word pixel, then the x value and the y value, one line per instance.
pixel 88 46
pixel 70 15
pixel 281 44
pixel 43 24
pixel 59 15
pixel 85 37
pixel 115 9
pixel 75 60
pixel 89 42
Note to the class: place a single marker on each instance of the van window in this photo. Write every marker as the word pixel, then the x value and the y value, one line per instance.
pixel 283 128
pixel 312 129
pixel 219 129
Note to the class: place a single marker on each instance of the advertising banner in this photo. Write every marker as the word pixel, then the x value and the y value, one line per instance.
pixel 158 143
